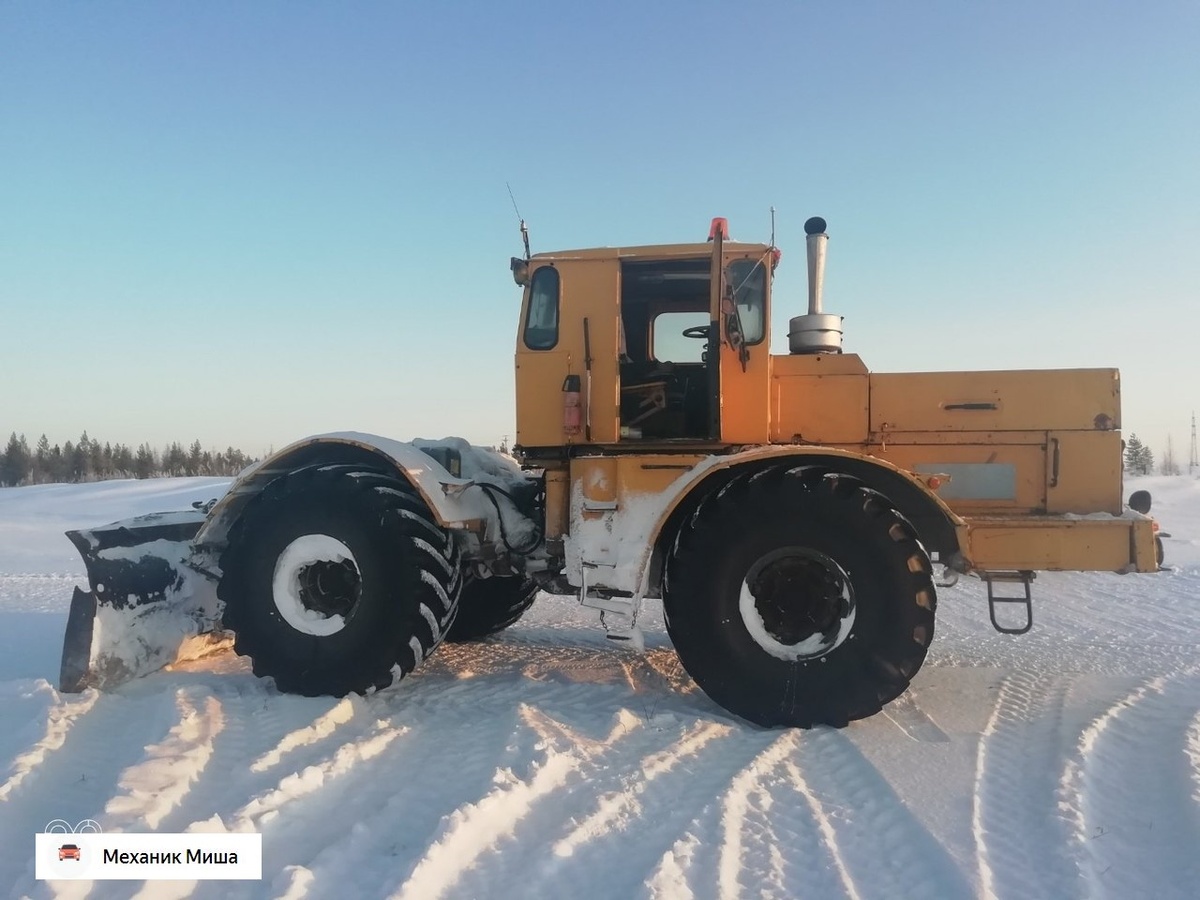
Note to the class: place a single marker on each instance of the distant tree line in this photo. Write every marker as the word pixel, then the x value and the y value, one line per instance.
pixel 89 460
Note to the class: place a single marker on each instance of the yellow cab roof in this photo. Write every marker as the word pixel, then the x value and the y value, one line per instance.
pixel 653 251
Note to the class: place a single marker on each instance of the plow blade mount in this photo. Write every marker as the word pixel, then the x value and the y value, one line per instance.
pixel 151 601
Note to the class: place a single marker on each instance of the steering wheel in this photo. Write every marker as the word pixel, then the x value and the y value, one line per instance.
pixel 697 331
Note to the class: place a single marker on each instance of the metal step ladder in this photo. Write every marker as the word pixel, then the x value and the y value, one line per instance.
pixel 1023 578
pixel 618 615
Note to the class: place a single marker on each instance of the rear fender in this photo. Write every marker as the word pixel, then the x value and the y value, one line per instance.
pixel 654 520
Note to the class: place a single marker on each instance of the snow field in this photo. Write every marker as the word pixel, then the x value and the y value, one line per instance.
pixel 547 762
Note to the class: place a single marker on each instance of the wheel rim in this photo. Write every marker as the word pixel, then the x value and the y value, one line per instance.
pixel 797 603
pixel 317 584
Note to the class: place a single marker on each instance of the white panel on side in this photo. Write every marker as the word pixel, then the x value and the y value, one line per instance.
pixel 974 481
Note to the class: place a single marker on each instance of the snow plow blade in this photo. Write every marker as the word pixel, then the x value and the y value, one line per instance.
pixel 151 602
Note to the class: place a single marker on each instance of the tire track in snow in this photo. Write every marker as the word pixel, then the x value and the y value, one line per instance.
pixel 322 727
pixel 257 720
pixel 158 784
pixel 76 781
pixel 905 714
pixel 430 784
pixel 877 838
pixel 294 787
pixel 477 828
pixel 748 825
pixel 1016 827
pixel 60 716
pixel 757 823
pixel 671 880
pixel 383 808
pixel 1193 752
pixel 449 760
pixel 604 828
pixel 1131 789
pixel 1071 789
pixel 307 810
pixel 617 807
pixel 825 826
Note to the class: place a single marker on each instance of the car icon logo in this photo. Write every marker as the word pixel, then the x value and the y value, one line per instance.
pixel 68 851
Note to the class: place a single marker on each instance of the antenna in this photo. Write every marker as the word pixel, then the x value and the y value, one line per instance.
pixel 772 226
pixel 524 230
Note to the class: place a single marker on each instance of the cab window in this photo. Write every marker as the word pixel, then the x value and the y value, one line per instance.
pixel 541 325
pixel 748 278
pixel 669 343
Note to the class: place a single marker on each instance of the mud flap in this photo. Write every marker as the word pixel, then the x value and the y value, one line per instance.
pixel 152 602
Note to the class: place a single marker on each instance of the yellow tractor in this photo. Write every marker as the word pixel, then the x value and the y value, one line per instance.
pixel 788 509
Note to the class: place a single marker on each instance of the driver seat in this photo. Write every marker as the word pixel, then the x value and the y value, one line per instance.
pixel 650 397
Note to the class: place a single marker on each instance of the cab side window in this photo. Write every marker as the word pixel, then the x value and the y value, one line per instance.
pixel 748 278
pixel 541 325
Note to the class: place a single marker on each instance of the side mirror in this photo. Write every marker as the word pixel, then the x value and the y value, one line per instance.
pixel 1139 501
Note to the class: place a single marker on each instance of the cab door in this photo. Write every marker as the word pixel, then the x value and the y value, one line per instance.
pixel 568 328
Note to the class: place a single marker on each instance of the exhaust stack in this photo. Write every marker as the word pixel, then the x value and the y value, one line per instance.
pixel 816 332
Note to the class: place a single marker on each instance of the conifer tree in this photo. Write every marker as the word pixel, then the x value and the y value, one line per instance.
pixel 1133 453
pixel 15 462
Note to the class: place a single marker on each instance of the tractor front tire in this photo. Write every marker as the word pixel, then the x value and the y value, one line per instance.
pixel 797 597
pixel 489 605
pixel 337 580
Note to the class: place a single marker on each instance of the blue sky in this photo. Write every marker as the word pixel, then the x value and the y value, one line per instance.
pixel 246 223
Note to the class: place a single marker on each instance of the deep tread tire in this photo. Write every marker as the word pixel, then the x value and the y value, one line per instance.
pixel 489 605
pixel 409 570
pixel 888 570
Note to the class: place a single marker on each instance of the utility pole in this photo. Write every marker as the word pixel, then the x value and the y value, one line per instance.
pixel 1193 459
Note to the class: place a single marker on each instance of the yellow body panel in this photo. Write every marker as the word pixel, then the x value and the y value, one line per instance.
pixel 819 399
pixel 1058 544
pixel 1063 399
pixel 540 378
pixel 984 477
pixel 1086 476
pixel 617 507
pixel 1020 447
pixel 558 494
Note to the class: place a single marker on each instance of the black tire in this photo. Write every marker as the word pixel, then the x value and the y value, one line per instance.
pixel 489 605
pixel 851 583
pixel 396 599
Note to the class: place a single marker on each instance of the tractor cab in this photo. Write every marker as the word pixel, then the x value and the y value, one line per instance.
pixel 663 343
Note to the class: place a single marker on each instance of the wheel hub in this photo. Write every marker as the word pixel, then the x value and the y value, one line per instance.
pixel 328 587
pixel 797 603
pixel 316 584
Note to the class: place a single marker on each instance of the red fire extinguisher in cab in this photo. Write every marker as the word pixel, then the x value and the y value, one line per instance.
pixel 572 405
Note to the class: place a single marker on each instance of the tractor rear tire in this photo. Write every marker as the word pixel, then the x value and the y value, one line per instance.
pixel 337 580
pixel 489 605
pixel 797 597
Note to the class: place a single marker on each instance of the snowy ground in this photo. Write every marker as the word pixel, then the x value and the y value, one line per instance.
pixel 548 763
